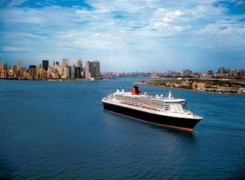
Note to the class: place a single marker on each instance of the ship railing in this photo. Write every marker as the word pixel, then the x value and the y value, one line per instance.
pixel 139 102
pixel 176 108
pixel 142 105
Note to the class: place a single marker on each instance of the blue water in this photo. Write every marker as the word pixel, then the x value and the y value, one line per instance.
pixel 59 130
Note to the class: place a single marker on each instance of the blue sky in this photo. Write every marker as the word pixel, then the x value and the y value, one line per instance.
pixel 125 35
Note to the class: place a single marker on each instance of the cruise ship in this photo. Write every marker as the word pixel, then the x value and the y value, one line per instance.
pixel 163 111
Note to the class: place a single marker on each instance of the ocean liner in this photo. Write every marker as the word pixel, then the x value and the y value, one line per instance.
pixel 167 111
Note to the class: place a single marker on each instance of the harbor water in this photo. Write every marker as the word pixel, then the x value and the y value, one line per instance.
pixel 59 130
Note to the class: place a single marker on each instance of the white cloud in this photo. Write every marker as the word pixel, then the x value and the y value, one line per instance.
pixel 139 22
pixel 145 26
pixel 223 33
pixel 16 2
pixel 164 18
pixel 14 49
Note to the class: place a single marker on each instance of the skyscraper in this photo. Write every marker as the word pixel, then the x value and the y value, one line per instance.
pixel 18 65
pixel 73 74
pixel 65 62
pixel 3 70
pixel 56 63
pixel 92 70
pixel 79 63
pixel 45 64
pixel 78 69
pixel 32 71
pixel 77 72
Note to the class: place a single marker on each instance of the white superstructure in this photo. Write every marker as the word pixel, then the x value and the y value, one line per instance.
pixel 166 106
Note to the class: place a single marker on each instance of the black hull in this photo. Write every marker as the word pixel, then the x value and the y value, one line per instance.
pixel 166 121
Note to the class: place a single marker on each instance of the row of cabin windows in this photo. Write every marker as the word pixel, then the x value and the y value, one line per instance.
pixel 157 103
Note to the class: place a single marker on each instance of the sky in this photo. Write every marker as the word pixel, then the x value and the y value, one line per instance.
pixel 125 35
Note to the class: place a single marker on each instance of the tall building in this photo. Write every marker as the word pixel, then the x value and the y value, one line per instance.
pixel 65 72
pixel 79 68
pixel 3 70
pixel 56 63
pixel 19 69
pixel 241 72
pixel 77 72
pixel 14 71
pixel 65 62
pixel 186 72
pixel 73 74
pixel 32 71
pixel 19 65
pixel 92 70
pixel 69 72
pixel 79 63
pixel 221 70
pixel 45 64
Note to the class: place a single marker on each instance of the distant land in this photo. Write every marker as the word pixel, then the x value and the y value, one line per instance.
pixel 220 73
pixel 223 80
pixel 223 86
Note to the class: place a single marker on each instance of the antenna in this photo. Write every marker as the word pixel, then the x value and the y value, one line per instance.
pixel 123 80
pixel 170 96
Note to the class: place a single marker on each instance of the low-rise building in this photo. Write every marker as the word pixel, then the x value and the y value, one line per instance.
pixel 200 86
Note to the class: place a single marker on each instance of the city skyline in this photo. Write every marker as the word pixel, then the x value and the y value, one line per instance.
pixel 64 70
pixel 126 35
pixel 46 63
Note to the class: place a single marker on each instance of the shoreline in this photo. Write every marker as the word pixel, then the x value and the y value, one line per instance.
pixel 13 79
pixel 186 89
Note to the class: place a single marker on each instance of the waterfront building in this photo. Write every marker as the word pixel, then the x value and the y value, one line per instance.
pixel 221 70
pixel 79 68
pixel 3 70
pixel 19 69
pixel 73 74
pixel 210 72
pixel 77 72
pixel 32 72
pixel 65 62
pixel 55 63
pixel 45 64
pixel 57 70
pixel 69 72
pixel 201 86
pixel 14 71
pixel 87 70
pixel 206 76
pixel 241 73
pixel 186 72
pixel 65 72
pixel 44 74
pixel 79 63
pixel 39 72
pixel 92 70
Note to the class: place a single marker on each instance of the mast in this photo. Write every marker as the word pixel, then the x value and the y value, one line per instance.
pixel 170 96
